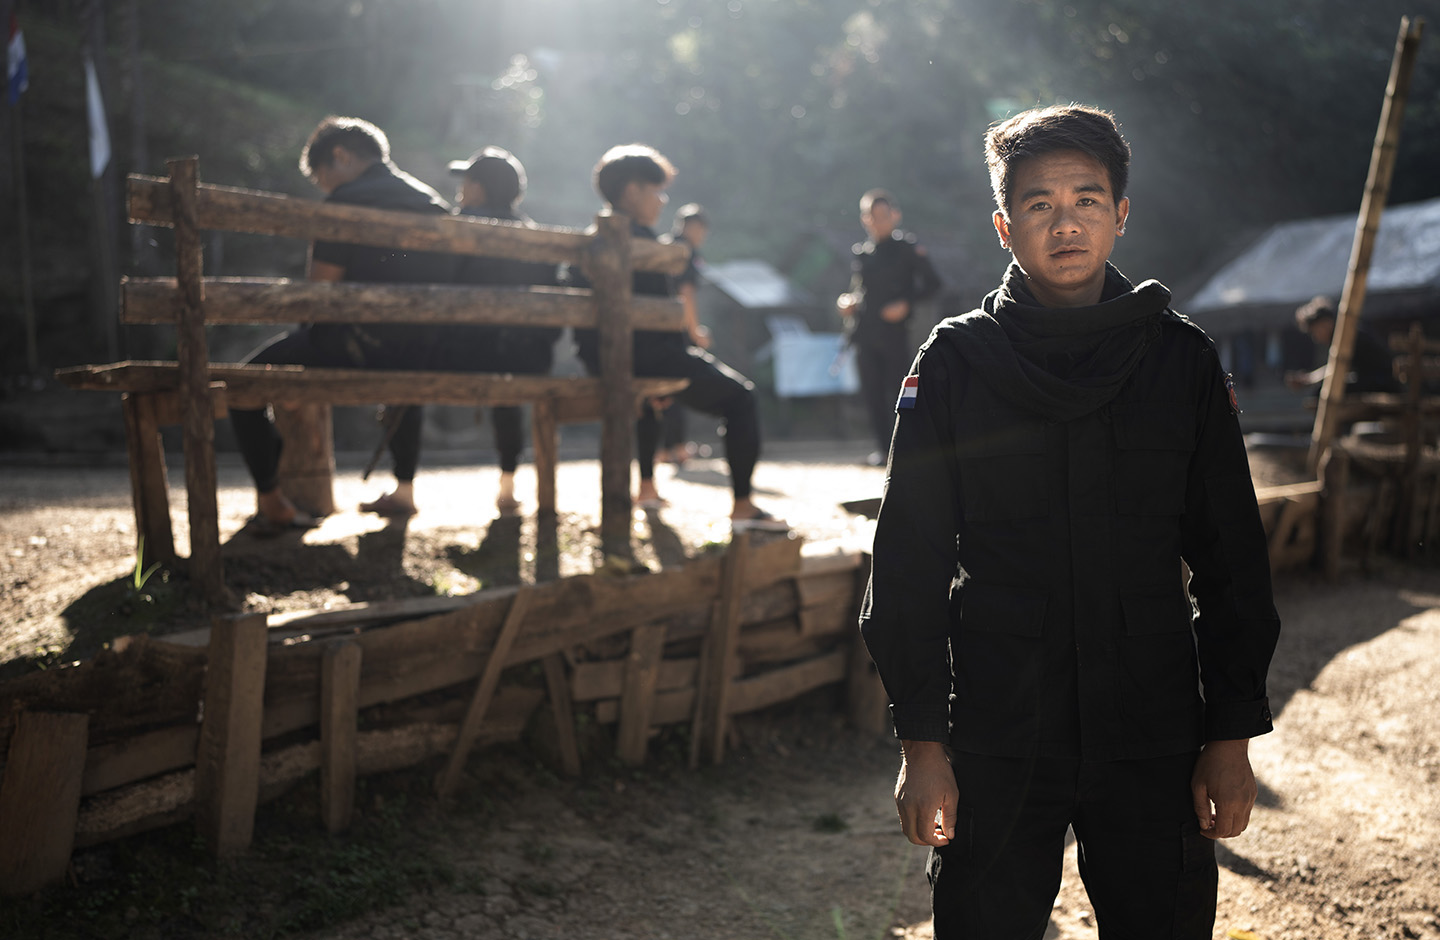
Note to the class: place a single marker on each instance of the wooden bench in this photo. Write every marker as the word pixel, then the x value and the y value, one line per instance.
pixel 192 391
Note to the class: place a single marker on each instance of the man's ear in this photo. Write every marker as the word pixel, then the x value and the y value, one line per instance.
pixel 1002 228
pixel 627 198
pixel 1122 212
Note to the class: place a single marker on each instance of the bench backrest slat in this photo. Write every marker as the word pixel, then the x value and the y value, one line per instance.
pixel 230 209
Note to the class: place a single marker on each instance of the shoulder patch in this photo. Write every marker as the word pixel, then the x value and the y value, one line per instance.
pixel 1230 394
pixel 909 394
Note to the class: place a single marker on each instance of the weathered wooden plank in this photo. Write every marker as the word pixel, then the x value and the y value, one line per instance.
pixel 608 264
pixel 40 800
pixel 545 437
pixel 720 652
pixel 637 696
pixel 866 700
pixel 149 488
pixel 825 589
pixel 781 641
pixel 838 616
pixel 135 758
pixel 240 210
pixel 813 563
pixel 283 301
pixel 671 707
pixel 339 712
pixel 169 799
pixel 252 386
pixel 227 762
pixel 563 708
pixel 770 688
pixel 604 679
pixel 206 567
pixel 484 692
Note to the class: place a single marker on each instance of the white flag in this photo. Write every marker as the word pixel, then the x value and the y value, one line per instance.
pixel 99 127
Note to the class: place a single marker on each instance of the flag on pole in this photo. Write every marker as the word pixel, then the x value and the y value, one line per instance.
pixel 99 127
pixel 17 69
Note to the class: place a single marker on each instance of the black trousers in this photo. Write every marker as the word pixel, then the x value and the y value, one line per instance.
pixel 1149 872
pixel 882 357
pixel 332 346
pixel 714 389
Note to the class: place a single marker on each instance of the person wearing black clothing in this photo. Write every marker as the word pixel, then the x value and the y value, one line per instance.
pixel 1372 365
pixel 349 160
pixel 492 183
pixel 1057 454
pixel 632 180
pixel 890 274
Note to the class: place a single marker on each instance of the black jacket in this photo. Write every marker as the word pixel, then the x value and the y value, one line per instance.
pixel 1026 595
pixel 895 268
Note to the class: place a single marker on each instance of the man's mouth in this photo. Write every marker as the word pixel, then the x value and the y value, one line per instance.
pixel 1066 251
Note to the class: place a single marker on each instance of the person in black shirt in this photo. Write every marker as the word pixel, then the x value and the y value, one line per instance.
pixel 349 160
pixel 1057 454
pixel 1372 366
pixel 891 273
pixel 632 179
pixel 492 183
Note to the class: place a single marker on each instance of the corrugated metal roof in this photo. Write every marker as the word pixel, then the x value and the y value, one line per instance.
pixel 755 284
pixel 1294 261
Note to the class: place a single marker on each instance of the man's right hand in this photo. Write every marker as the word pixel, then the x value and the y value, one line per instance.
pixel 925 787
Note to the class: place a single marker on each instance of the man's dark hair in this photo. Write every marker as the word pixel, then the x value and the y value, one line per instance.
pixel 630 163
pixel 1038 131
pixel 867 201
pixel 1312 312
pixel 690 212
pixel 499 172
pixel 358 136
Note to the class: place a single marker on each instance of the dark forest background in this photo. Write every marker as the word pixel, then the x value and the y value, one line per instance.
pixel 779 113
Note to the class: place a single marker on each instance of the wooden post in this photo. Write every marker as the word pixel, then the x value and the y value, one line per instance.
pixel 719 652
pixel 149 487
pixel 637 695
pixel 339 711
pixel 227 759
pixel 307 463
pixel 1336 472
pixel 40 799
pixel 545 432
pixel 484 692
pixel 563 708
pixel 1372 206
pixel 193 355
pixel 1413 424
pixel 608 266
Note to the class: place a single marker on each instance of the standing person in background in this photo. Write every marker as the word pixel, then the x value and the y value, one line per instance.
pixel 1372 365
pixel 348 159
pixel 691 227
pixel 492 183
pixel 631 179
pixel 890 274
pixel 1057 454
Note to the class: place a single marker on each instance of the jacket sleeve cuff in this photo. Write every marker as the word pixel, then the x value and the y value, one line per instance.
pixel 921 722
pixel 1230 721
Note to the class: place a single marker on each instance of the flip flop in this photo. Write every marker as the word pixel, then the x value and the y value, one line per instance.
pixel 654 502
pixel 388 505
pixel 263 527
pixel 762 521
pixel 507 505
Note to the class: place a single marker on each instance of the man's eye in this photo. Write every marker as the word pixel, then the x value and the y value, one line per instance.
pixel 1039 206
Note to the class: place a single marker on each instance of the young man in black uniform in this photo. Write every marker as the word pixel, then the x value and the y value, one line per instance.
pixel 891 274
pixel 691 227
pixel 1057 454
pixel 1372 365
pixel 632 179
pixel 349 160
pixel 492 183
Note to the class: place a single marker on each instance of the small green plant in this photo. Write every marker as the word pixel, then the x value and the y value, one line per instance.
pixel 138 579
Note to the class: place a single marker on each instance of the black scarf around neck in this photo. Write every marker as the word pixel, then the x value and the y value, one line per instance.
pixel 1059 362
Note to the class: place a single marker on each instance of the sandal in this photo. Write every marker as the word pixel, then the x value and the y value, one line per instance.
pixel 388 505
pixel 762 521
pixel 507 505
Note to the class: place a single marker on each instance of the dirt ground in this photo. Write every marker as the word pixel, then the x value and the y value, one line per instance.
pixel 795 835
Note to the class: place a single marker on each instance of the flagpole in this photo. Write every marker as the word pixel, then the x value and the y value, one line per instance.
pixel 27 293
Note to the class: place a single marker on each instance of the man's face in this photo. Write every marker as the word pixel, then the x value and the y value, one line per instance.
pixel 880 221
pixel 1062 226
pixel 1322 331
pixel 643 201
pixel 470 193
pixel 695 233
pixel 344 167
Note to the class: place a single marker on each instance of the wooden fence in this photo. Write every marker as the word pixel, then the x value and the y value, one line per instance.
pixel 207 725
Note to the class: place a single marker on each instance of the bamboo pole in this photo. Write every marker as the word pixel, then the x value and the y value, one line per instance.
pixel 1367 227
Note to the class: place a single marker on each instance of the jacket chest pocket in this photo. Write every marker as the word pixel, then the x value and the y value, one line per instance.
pixel 1153 445
pixel 1002 471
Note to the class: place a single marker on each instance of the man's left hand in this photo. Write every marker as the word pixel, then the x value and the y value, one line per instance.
pixel 895 311
pixel 1224 780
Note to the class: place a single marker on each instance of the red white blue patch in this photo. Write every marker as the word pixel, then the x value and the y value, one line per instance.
pixel 909 392
pixel 1230 391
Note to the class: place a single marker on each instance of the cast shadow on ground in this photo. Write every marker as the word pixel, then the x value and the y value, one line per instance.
pixel 669 550
pixel 497 561
pixel 286 564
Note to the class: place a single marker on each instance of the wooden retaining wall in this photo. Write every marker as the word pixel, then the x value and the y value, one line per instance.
pixel 207 725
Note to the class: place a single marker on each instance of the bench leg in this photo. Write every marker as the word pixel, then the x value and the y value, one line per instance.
pixel 307 464
pixel 149 488
pixel 544 428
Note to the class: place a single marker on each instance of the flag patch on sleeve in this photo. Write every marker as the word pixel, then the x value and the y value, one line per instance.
pixel 909 392
pixel 1230 391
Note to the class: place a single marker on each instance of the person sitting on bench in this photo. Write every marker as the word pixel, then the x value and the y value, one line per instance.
pixel 349 160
